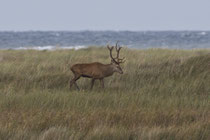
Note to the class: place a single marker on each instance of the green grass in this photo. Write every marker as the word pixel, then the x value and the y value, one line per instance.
pixel 163 94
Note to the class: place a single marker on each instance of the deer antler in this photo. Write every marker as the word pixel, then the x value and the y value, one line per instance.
pixel 117 60
pixel 110 50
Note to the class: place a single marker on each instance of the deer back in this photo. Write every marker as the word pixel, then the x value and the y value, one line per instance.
pixel 93 70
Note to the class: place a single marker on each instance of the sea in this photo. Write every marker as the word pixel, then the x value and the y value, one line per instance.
pixel 53 40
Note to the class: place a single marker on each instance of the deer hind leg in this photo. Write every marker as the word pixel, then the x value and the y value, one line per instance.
pixel 102 82
pixel 92 83
pixel 73 81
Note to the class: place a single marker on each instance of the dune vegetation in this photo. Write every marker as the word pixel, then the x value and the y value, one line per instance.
pixel 163 94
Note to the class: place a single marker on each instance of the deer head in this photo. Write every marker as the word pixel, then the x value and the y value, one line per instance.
pixel 115 62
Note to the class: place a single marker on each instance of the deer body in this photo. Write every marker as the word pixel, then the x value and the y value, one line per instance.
pixel 95 71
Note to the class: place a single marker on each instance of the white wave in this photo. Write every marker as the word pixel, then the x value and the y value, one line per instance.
pixel 72 47
pixel 41 48
pixel 203 33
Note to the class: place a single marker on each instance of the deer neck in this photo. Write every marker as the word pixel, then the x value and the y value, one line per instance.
pixel 109 70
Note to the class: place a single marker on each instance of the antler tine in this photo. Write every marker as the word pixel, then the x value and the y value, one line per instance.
pixel 121 60
pixel 117 44
pixel 118 52
pixel 117 48
pixel 110 50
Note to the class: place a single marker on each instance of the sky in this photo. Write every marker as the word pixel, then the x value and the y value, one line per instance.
pixel 77 15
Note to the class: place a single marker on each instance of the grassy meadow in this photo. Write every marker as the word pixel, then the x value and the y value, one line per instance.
pixel 163 94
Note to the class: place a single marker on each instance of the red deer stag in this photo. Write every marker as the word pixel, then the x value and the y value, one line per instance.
pixel 97 70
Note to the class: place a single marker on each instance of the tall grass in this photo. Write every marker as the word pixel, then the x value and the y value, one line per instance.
pixel 163 94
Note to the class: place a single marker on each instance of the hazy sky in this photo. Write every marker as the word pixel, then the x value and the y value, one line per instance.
pixel 134 15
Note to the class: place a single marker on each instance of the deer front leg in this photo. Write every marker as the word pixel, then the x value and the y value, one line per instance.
pixel 73 81
pixel 102 82
pixel 92 83
pixel 76 85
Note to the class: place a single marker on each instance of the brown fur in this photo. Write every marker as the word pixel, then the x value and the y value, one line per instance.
pixel 95 71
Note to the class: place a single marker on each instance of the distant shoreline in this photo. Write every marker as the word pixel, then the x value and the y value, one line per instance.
pixel 56 48
pixel 47 40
